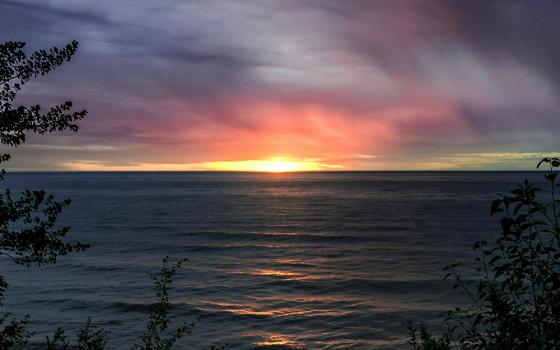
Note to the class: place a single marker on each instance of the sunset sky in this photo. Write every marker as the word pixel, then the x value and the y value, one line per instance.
pixel 296 84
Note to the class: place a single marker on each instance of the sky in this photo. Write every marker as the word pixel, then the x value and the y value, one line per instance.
pixel 295 84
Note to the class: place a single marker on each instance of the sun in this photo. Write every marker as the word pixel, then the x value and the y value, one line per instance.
pixel 280 166
pixel 271 165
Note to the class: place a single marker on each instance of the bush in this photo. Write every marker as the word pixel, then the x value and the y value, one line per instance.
pixel 515 304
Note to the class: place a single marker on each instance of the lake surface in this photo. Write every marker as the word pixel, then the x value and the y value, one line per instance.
pixel 277 261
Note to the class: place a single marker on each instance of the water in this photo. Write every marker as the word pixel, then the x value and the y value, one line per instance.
pixel 277 261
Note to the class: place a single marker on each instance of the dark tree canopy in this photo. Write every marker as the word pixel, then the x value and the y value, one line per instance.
pixel 16 70
pixel 36 240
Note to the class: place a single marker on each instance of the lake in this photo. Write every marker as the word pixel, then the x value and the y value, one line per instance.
pixel 326 260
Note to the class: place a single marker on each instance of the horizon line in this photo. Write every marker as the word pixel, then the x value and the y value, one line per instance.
pixel 276 172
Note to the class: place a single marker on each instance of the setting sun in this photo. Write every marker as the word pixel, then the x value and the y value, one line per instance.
pixel 272 165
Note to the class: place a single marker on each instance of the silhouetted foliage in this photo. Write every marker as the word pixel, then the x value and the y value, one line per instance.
pixel 425 341
pixel 28 232
pixel 86 340
pixel 16 70
pixel 516 300
pixel 154 337
pixel 34 213
pixel 13 331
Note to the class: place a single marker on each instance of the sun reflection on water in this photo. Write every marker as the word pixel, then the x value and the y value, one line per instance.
pixel 276 339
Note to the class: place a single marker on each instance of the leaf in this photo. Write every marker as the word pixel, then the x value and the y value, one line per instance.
pixel 496 206
pixel 544 160
pixel 508 200
pixel 506 224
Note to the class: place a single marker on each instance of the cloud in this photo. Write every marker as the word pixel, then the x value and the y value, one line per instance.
pixel 201 81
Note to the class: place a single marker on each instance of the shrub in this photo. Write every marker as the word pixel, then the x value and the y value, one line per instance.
pixel 515 304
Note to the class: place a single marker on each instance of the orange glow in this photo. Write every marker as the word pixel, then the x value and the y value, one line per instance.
pixel 277 137
pixel 272 165
pixel 277 340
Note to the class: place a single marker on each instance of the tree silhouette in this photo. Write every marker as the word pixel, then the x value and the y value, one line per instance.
pixel 515 301
pixel 28 232
pixel 29 235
